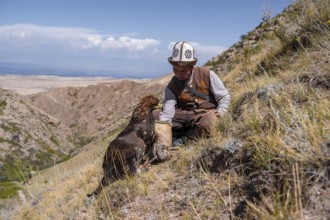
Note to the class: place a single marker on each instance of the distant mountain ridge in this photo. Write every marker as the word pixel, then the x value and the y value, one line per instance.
pixel 31 69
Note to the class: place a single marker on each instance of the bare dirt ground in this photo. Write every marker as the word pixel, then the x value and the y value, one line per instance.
pixel 27 85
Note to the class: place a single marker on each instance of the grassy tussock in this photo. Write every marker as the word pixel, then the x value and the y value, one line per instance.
pixel 281 111
pixel 59 198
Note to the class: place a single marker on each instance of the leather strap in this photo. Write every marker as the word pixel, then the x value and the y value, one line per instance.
pixel 199 94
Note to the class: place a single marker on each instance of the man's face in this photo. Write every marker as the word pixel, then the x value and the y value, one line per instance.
pixel 182 72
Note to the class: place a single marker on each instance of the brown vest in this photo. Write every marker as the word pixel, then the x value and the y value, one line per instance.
pixel 201 82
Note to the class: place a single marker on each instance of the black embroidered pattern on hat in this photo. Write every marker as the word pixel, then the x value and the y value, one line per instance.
pixel 175 52
pixel 188 54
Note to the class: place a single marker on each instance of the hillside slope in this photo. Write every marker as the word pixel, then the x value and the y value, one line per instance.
pixel 43 129
pixel 94 111
pixel 30 140
pixel 270 158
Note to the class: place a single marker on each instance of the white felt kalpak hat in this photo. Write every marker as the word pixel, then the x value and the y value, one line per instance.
pixel 182 55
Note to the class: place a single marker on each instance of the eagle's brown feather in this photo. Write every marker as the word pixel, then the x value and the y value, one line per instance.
pixel 125 152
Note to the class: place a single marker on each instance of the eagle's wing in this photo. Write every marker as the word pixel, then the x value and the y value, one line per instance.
pixel 125 152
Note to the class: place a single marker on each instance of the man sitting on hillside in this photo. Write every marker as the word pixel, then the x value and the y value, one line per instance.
pixel 194 99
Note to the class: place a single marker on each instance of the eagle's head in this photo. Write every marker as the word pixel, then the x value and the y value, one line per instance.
pixel 146 105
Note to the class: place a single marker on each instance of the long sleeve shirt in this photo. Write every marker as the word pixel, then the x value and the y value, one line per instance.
pixel 217 88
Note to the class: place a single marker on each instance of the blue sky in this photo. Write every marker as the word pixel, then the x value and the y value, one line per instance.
pixel 123 38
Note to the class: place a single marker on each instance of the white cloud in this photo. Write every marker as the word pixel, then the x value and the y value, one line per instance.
pixel 128 43
pixel 24 37
pixel 83 50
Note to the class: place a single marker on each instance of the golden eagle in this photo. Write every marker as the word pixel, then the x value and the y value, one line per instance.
pixel 125 152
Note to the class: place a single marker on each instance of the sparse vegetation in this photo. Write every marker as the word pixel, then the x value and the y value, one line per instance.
pixel 8 190
pixel 14 169
pixel 80 140
pixel 3 105
pixel 73 93
pixel 10 127
pixel 54 140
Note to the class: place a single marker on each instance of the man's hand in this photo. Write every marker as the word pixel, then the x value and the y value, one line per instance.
pixel 215 112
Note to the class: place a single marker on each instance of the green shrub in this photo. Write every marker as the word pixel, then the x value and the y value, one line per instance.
pixel 3 105
pixel 8 190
